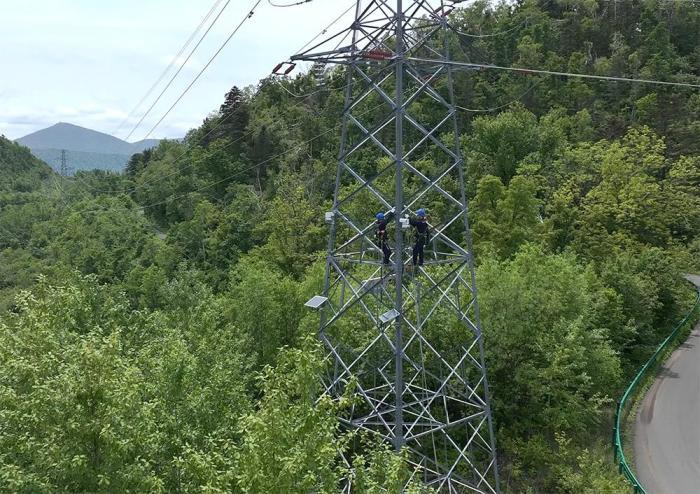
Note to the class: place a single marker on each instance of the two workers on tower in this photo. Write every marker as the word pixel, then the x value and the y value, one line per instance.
pixel 420 226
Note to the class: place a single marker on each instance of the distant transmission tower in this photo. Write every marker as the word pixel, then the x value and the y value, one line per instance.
pixel 405 340
pixel 65 169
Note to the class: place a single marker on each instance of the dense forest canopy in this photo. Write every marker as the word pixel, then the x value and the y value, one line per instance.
pixel 153 336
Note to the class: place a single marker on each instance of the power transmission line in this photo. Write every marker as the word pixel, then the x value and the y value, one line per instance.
pixel 212 184
pixel 225 147
pixel 294 4
pixel 325 29
pixel 491 35
pixel 234 175
pixel 170 66
pixel 244 136
pixel 299 96
pixel 182 65
pixel 553 72
pixel 219 122
pixel 175 161
pixel 245 18
pixel 499 107
pixel 307 44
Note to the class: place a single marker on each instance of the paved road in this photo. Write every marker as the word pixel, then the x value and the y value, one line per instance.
pixel 667 428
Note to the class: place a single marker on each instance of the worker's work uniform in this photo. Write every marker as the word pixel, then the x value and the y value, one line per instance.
pixel 383 238
pixel 421 226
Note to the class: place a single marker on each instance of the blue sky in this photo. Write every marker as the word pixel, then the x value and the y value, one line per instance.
pixel 88 62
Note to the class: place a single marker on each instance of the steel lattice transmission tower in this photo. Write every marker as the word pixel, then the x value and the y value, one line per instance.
pixel 408 340
pixel 64 168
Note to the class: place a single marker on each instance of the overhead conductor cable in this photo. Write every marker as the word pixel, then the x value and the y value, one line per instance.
pixel 182 65
pixel 554 72
pixel 226 41
pixel 170 66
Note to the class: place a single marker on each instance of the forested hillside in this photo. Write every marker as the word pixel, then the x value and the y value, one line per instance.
pixel 153 336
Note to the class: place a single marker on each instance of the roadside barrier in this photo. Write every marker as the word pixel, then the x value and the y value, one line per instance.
pixel 625 403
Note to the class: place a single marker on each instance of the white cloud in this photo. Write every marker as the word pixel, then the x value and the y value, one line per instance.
pixel 17 122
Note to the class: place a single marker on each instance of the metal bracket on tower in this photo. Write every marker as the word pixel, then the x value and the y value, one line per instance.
pixel 283 68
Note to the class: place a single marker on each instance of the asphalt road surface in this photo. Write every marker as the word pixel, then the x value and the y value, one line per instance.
pixel 667 427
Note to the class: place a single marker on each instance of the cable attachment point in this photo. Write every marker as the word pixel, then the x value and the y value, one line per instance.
pixel 443 11
pixel 283 68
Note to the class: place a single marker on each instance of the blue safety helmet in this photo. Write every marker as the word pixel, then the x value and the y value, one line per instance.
pixel 420 213
pixel 380 216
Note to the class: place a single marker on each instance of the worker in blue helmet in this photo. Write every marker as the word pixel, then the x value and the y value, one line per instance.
pixel 420 223
pixel 381 233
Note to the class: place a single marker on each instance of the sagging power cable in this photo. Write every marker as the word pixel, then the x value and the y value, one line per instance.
pixel 170 66
pixel 206 66
pixel 282 5
pixel 218 123
pixel 182 65
pixel 325 29
pixel 173 197
pixel 554 72
pixel 500 107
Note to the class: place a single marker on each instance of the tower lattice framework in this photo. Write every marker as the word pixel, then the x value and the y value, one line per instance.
pixel 405 341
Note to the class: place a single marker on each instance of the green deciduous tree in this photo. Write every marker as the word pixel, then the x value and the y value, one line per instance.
pixel 290 442
pixel 97 398
pixel 546 360
pixel 504 218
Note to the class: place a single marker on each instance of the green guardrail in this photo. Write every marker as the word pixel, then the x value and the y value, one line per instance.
pixel 623 466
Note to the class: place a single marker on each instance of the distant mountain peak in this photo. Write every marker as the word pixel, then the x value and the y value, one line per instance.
pixel 70 126
pixel 76 139
pixel 71 137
